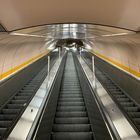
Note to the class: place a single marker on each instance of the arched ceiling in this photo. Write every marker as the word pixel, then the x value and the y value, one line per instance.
pixel 17 14
pixel 71 31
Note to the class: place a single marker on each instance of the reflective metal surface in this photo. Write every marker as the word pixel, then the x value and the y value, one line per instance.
pixel 121 124
pixel 34 109
pixel 75 31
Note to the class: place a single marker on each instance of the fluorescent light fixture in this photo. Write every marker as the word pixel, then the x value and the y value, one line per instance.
pixel 119 34
pixel 19 34
pixel 108 35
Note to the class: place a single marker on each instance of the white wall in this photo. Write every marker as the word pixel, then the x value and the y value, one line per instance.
pixel 17 50
pixel 124 51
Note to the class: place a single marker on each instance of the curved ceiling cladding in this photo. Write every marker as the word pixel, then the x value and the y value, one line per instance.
pixel 15 14
pixel 71 31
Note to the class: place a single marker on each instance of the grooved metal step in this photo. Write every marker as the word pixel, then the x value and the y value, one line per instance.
pixel 72 127
pixel 71 114
pixel 71 103
pixel 71 108
pixel 71 99
pixel 72 136
pixel 71 119
pixel 7 116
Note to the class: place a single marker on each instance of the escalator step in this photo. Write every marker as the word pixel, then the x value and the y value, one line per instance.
pixel 70 89
pixel 21 97
pixel 71 108
pixel 115 90
pixel 18 101
pixel 31 85
pixel 27 90
pixel 127 104
pixel 72 136
pixel 69 92
pixel 116 93
pixel 5 123
pixel 71 104
pixel 15 106
pixel 31 89
pixel 71 99
pixel 71 128
pixel 138 126
pixel 2 131
pixel 131 109
pixel 7 117
pixel 71 114
pixel 71 95
pixel 24 94
pixel 111 87
pixel 70 85
pixel 134 114
pixel 73 120
pixel 121 96
pixel 10 111
pixel 136 120
pixel 71 82
pixel 123 99
pixel 68 79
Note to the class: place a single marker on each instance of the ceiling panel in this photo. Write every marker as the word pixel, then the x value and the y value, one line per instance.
pixel 16 14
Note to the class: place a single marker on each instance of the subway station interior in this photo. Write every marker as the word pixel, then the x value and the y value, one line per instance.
pixel 69 70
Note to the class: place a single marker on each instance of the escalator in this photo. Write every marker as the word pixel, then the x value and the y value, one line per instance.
pixel 128 106
pixel 66 115
pixel 71 118
pixel 126 103
pixel 11 111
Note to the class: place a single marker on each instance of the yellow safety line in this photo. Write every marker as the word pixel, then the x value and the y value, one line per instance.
pixel 135 73
pixel 11 71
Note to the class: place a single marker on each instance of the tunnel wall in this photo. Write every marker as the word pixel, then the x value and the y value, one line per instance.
pixel 122 52
pixel 17 52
